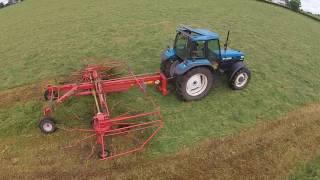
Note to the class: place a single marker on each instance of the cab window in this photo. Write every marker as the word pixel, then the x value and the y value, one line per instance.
pixel 198 49
pixel 181 45
pixel 213 50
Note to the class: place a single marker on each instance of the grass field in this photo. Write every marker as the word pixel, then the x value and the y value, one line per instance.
pixel 43 40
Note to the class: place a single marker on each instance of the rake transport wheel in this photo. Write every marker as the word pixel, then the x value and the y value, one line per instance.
pixel 107 154
pixel 47 95
pixel 195 84
pixel 107 149
pixel 47 125
pixel 241 79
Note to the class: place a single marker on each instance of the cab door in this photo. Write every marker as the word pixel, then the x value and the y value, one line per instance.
pixel 214 53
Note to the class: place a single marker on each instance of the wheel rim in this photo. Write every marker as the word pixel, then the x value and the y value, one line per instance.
pixel 241 79
pixel 197 84
pixel 47 127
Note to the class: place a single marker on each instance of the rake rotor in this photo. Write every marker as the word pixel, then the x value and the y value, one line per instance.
pixel 110 132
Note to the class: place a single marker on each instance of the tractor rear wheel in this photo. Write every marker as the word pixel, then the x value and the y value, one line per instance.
pixel 195 84
pixel 241 79
pixel 47 125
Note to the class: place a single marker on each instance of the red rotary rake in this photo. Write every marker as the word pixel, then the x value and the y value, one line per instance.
pixel 104 127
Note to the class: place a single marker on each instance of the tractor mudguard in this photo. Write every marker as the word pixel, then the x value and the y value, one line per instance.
pixel 189 64
pixel 168 54
pixel 235 68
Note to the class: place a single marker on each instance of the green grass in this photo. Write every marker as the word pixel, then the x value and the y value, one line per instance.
pixel 310 171
pixel 45 39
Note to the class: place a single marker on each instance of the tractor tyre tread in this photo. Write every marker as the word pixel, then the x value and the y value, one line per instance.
pixel 232 81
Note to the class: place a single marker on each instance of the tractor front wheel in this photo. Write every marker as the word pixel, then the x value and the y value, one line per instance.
pixel 241 79
pixel 195 84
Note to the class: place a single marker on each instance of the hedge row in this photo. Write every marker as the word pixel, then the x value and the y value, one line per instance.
pixel 301 12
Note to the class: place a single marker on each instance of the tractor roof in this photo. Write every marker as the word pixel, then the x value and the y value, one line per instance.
pixel 197 34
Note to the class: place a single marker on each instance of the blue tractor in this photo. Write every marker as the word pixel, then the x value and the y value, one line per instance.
pixel 195 57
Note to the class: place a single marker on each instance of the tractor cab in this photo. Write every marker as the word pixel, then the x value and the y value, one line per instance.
pixel 196 47
pixel 195 44
pixel 200 44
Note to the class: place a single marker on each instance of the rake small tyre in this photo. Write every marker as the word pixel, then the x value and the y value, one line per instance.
pixel 47 95
pixel 240 79
pixel 107 154
pixel 47 125
pixel 200 75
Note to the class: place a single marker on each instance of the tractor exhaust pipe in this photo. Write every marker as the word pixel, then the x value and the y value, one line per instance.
pixel 227 41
